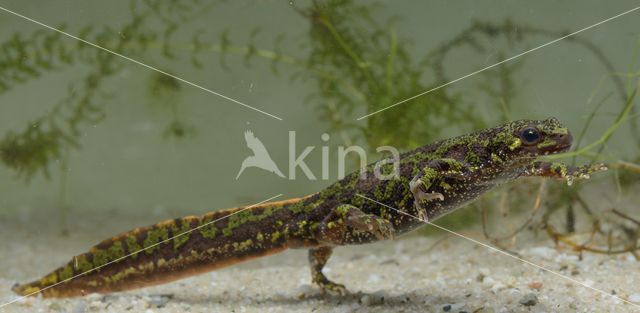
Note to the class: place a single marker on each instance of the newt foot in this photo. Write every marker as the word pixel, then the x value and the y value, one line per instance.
pixel 584 172
pixel 421 196
pixel 334 289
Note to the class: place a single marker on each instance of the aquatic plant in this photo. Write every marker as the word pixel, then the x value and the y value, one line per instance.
pixel 25 58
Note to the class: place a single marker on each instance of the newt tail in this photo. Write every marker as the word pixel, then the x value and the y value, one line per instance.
pixel 155 260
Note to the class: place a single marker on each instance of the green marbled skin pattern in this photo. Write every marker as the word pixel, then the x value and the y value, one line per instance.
pixel 460 169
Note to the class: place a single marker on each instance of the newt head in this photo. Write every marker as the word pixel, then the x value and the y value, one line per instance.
pixel 522 141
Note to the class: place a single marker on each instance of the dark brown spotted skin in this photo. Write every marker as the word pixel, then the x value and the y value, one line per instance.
pixel 460 168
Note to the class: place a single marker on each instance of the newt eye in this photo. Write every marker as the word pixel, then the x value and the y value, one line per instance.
pixel 530 135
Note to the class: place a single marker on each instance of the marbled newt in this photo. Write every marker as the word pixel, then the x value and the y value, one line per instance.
pixel 433 180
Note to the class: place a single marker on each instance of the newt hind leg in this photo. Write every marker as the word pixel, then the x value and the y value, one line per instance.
pixel 346 224
pixel 318 257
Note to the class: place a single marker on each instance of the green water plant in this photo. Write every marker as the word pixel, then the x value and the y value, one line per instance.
pixel 24 58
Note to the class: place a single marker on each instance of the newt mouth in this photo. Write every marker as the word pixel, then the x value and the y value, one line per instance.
pixel 562 144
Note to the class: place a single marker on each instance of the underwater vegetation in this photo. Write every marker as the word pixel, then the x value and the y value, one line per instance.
pixel 24 58
pixel 358 64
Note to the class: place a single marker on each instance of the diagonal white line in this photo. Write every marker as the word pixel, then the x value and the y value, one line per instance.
pixel 505 253
pixel 499 63
pixel 140 63
pixel 143 249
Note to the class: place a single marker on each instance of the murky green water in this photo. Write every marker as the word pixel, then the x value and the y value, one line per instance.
pixel 151 147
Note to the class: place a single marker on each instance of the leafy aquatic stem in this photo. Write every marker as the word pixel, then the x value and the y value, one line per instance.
pixel 627 166
pixel 622 117
pixel 359 62
pixel 392 55
pixel 587 124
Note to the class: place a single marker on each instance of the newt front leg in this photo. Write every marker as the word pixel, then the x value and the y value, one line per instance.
pixel 432 174
pixel 562 171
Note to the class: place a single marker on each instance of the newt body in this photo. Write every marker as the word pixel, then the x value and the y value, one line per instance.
pixel 433 180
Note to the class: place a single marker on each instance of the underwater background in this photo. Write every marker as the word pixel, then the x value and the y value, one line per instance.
pixel 93 144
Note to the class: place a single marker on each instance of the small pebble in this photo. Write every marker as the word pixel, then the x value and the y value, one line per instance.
pixel 373 299
pixel 529 299
pixel 498 287
pixel 94 297
pixel 453 307
pixel 110 298
pixel 488 281
pixel 80 307
pixel 55 307
pixel 544 252
pixel 96 305
pixel 635 297
pixel 535 285
pixel 158 301
pixel 374 278
pixel 390 262
pixel 303 291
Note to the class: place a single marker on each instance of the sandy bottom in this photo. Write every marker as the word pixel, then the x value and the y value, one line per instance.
pixel 412 274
